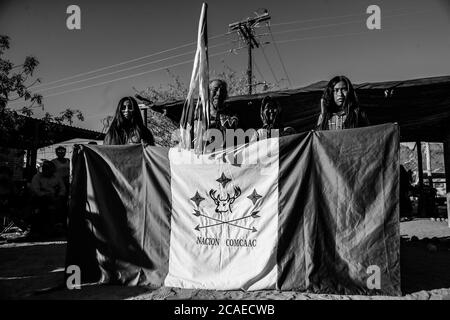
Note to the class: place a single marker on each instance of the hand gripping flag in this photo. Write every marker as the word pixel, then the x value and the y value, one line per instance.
pixel 195 117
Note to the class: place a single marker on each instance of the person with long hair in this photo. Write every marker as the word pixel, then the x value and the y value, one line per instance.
pixel 270 113
pixel 339 107
pixel 127 127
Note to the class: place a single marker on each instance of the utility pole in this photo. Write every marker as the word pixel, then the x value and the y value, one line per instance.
pixel 246 30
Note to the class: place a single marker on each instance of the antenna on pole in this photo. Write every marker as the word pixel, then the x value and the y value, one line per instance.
pixel 245 29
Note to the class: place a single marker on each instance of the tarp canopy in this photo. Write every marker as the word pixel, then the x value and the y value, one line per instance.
pixel 32 133
pixel 421 106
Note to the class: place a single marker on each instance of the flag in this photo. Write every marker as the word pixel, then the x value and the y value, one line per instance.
pixel 316 212
pixel 195 118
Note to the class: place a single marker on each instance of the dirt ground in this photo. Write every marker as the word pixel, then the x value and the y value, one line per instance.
pixel 35 270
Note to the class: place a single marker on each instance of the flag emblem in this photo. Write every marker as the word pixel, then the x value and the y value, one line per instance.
pixel 221 215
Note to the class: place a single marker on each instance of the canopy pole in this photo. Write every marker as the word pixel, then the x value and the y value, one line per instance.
pixel 447 172
pixel 420 209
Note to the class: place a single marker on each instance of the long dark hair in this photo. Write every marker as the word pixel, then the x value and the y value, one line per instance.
pixel 264 104
pixel 122 129
pixel 355 117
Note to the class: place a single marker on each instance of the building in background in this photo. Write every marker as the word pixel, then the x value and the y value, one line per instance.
pixel 48 152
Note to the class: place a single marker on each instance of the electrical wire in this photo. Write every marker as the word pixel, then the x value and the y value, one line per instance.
pixel 317 19
pixel 224 52
pixel 327 36
pixel 127 69
pixel 215 37
pixel 177 64
pixel 126 62
pixel 131 76
pixel 343 23
pixel 259 71
pixel 270 66
pixel 279 55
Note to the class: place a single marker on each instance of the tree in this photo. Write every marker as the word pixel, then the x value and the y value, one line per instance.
pixel 238 82
pixel 15 84
pixel 175 90
pixel 178 90
pixel 68 114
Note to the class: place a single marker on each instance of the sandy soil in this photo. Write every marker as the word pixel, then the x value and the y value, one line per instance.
pixel 35 270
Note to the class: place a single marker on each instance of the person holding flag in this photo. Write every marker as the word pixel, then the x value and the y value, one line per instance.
pixel 339 107
pixel 127 127
pixel 220 118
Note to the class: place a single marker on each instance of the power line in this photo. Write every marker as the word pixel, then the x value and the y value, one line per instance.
pixel 318 19
pixel 188 61
pixel 343 35
pixel 114 65
pixel 213 37
pixel 126 62
pixel 168 58
pixel 279 42
pixel 343 23
pixel 270 66
pixel 130 76
pixel 245 29
pixel 127 69
pixel 259 71
pixel 324 37
pixel 224 52
pixel 317 27
pixel 279 55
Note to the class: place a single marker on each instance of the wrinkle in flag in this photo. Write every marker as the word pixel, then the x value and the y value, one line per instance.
pixel 316 212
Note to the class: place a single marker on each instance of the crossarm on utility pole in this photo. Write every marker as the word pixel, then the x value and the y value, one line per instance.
pixel 245 28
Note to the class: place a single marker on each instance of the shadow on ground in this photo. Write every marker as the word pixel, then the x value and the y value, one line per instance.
pixel 35 270
pixel 425 265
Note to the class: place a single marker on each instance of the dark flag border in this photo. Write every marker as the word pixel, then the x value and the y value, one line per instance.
pixel 334 224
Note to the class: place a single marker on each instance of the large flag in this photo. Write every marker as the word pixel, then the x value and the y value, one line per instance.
pixel 314 212
pixel 195 117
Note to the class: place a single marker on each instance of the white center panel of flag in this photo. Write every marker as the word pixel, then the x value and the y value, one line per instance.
pixel 224 221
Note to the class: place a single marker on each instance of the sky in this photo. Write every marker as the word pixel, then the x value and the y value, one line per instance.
pixel 316 40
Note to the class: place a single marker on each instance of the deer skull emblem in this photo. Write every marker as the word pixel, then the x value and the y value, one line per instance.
pixel 224 205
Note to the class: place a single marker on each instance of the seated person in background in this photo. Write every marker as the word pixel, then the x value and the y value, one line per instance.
pixel 12 201
pixel 7 192
pixel 127 127
pixel 48 193
pixel 339 107
pixel 271 119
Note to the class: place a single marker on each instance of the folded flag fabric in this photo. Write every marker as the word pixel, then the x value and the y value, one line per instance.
pixel 314 212
pixel 195 116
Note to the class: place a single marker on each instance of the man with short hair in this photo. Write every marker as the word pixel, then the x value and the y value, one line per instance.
pixel 62 165
pixel 220 118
